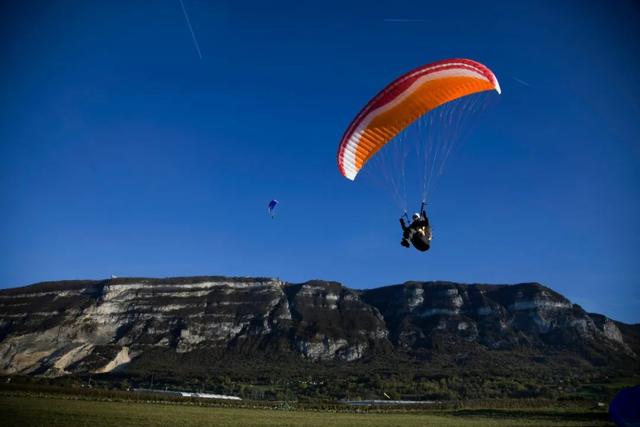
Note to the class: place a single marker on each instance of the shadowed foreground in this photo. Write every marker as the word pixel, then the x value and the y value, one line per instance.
pixel 23 410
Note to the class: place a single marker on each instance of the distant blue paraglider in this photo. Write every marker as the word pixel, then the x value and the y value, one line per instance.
pixel 272 207
pixel 624 409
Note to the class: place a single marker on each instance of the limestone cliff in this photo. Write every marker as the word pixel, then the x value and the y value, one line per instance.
pixel 56 328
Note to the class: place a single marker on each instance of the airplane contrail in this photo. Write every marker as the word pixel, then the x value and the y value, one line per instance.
pixel 193 35
pixel 522 82
pixel 404 20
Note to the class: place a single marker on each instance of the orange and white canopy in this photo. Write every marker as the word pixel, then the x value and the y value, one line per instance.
pixel 403 101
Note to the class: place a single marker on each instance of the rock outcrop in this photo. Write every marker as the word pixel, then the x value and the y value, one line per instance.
pixel 57 328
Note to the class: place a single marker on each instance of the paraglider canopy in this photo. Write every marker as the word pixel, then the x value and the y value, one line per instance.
pixel 403 101
pixel 271 207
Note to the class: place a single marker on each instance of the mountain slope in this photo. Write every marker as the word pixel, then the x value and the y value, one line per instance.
pixel 57 328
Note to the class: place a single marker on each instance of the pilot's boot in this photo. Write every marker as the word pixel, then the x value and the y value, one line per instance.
pixel 405 243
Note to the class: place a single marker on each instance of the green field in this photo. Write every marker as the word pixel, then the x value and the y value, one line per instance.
pixel 26 410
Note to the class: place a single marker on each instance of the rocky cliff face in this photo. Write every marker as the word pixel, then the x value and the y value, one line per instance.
pixel 529 314
pixel 100 326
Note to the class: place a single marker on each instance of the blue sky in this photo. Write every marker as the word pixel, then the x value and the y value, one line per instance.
pixel 122 152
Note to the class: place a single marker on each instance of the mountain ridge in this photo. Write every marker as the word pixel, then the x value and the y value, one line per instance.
pixel 129 326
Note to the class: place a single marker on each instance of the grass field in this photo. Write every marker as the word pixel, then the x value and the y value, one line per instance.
pixel 54 411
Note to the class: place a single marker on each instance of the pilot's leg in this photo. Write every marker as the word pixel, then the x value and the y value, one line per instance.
pixel 406 237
